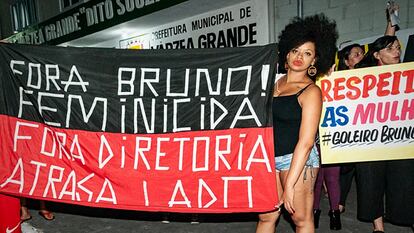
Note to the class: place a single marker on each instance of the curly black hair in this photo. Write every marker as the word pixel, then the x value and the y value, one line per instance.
pixel 344 55
pixel 379 44
pixel 317 29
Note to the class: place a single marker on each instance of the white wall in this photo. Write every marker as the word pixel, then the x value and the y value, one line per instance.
pixel 258 16
pixel 356 19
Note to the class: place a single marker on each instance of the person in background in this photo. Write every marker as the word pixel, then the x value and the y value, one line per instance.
pixel 337 178
pixel 393 179
pixel 352 54
pixel 25 214
pixel 330 175
pixel 385 50
pixel 306 49
pixel 348 57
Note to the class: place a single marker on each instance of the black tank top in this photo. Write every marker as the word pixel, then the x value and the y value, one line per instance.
pixel 287 115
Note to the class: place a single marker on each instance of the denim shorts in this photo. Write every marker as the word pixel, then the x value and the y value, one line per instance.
pixel 283 162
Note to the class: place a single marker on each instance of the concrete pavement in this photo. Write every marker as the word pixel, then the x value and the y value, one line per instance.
pixel 78 219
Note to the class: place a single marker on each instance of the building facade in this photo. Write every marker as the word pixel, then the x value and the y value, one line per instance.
pixel 184 23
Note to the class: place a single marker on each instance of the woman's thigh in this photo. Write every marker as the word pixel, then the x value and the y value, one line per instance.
pixel 303 199
pixel 272 216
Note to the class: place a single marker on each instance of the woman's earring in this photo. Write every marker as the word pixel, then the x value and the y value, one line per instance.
pixel 312 70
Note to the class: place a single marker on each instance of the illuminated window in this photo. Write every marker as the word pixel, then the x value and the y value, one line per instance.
pixel 23 14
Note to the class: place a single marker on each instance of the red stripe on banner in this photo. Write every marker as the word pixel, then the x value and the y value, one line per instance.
pixel 199 171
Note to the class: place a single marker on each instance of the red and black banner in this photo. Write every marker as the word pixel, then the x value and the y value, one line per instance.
pixel 152 130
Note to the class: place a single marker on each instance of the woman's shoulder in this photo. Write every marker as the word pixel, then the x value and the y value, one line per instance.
pixel 310 87
pixel 311 91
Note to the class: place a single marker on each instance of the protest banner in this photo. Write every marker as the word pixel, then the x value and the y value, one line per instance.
pixel 368 114
pixel 151 130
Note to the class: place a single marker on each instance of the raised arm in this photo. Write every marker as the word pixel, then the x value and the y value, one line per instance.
pixel 390 29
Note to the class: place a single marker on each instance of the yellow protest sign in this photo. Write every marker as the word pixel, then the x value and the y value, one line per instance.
pixel 368 114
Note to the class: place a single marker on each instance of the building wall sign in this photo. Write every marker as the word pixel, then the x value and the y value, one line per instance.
pixel 238 25
pixel 87 18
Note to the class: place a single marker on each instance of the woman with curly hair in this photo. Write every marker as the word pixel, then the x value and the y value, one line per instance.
pixel 306 50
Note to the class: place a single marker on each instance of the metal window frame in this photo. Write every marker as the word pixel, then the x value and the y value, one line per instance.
pixel 14 17
pixel 23 13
